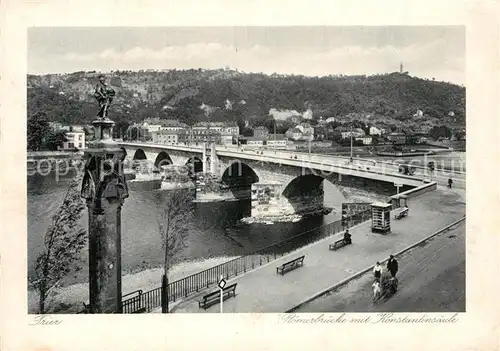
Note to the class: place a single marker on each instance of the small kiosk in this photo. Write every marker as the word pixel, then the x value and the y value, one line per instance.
pixel 381 217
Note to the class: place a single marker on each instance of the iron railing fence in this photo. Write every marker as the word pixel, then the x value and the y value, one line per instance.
pixel 142 301
pixel 145 302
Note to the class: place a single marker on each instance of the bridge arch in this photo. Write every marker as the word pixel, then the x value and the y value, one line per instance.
pixel 139 155
pixel 195 164
pixel 163 159
pixel 239 174
pixel 306 193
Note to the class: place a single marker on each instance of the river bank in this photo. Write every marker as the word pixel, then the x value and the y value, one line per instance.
pixel 70 299
pixel 295 217
pixel 212 232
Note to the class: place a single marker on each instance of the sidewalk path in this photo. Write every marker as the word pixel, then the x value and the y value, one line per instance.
pixel 262 290
pixel 431 279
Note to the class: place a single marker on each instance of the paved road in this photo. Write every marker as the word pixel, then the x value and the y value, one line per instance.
pixel 384 166
pixel 431 279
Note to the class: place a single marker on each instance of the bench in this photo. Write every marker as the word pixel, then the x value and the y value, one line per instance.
pixel 338 244
pixel 290 265
pixel 214 297
pixel 398 214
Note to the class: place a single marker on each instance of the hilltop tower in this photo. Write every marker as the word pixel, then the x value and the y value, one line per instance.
pixel 401 68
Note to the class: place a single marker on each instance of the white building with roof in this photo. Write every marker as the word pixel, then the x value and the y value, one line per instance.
pixel 75 139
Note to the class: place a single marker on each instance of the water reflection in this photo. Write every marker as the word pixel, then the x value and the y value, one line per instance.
pixel 213 233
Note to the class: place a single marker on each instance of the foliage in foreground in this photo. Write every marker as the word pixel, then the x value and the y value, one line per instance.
pixel 64 241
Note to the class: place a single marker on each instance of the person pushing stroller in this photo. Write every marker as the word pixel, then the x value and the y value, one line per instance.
pixel 392 266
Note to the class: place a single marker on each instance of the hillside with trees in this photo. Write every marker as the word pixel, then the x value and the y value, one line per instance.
pixel 225 95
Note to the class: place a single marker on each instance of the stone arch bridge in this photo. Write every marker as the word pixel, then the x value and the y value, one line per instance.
pixel 279 183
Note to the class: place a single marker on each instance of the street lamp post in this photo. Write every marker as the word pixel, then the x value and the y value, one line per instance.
pixel 310 137
pixel 351 143
pixel 274 136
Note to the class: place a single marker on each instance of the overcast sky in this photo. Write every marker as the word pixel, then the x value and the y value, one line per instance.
pixel 426 52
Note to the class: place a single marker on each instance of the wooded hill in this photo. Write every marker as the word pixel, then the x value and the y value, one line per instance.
pixel 385 99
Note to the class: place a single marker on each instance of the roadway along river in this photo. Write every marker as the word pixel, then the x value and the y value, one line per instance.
pixel 431 279
pixel 212 235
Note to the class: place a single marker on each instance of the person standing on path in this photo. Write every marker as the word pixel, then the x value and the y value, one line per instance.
pixel 392 265
pixel 377 271
pixel 347 237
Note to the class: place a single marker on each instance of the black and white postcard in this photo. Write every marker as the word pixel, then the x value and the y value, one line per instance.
pixel 321 174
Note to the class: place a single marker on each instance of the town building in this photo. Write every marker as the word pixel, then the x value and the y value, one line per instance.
pixel 227 132
pixel 75 139
pixel 302 131
pixel 230 128
pixel 151 128
pixel 254 141
pixel 294 133
pixel 278 141
pixel 367 140
pixel 184 136
pixel 205 136
pixel 306 129
pixel 272 141
pixel 397 138
pixel 173 124
pixel 321 143
pixel 354 132
pixel 165 137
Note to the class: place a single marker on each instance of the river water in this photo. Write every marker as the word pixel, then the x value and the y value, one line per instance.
pixel 213 232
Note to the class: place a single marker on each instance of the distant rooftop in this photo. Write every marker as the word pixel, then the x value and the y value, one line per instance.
pixel 215 124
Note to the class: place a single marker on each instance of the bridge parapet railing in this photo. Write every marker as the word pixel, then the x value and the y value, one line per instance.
pixel 197 282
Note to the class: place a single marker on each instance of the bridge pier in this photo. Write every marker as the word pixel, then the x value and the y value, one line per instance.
pixel 210 159
pixel 268 200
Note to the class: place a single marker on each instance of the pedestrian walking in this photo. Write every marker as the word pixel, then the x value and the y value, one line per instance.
pixel 377 271
pixel 392 265
pixel 450 182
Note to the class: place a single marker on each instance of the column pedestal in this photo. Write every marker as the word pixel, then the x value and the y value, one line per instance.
pixel 105 189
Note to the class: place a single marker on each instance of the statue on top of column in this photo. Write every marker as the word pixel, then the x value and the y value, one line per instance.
pixel 104 95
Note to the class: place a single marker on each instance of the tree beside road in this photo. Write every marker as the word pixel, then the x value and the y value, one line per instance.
pixel 173 226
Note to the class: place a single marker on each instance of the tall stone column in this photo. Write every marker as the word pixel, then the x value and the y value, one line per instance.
pixel 104 189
